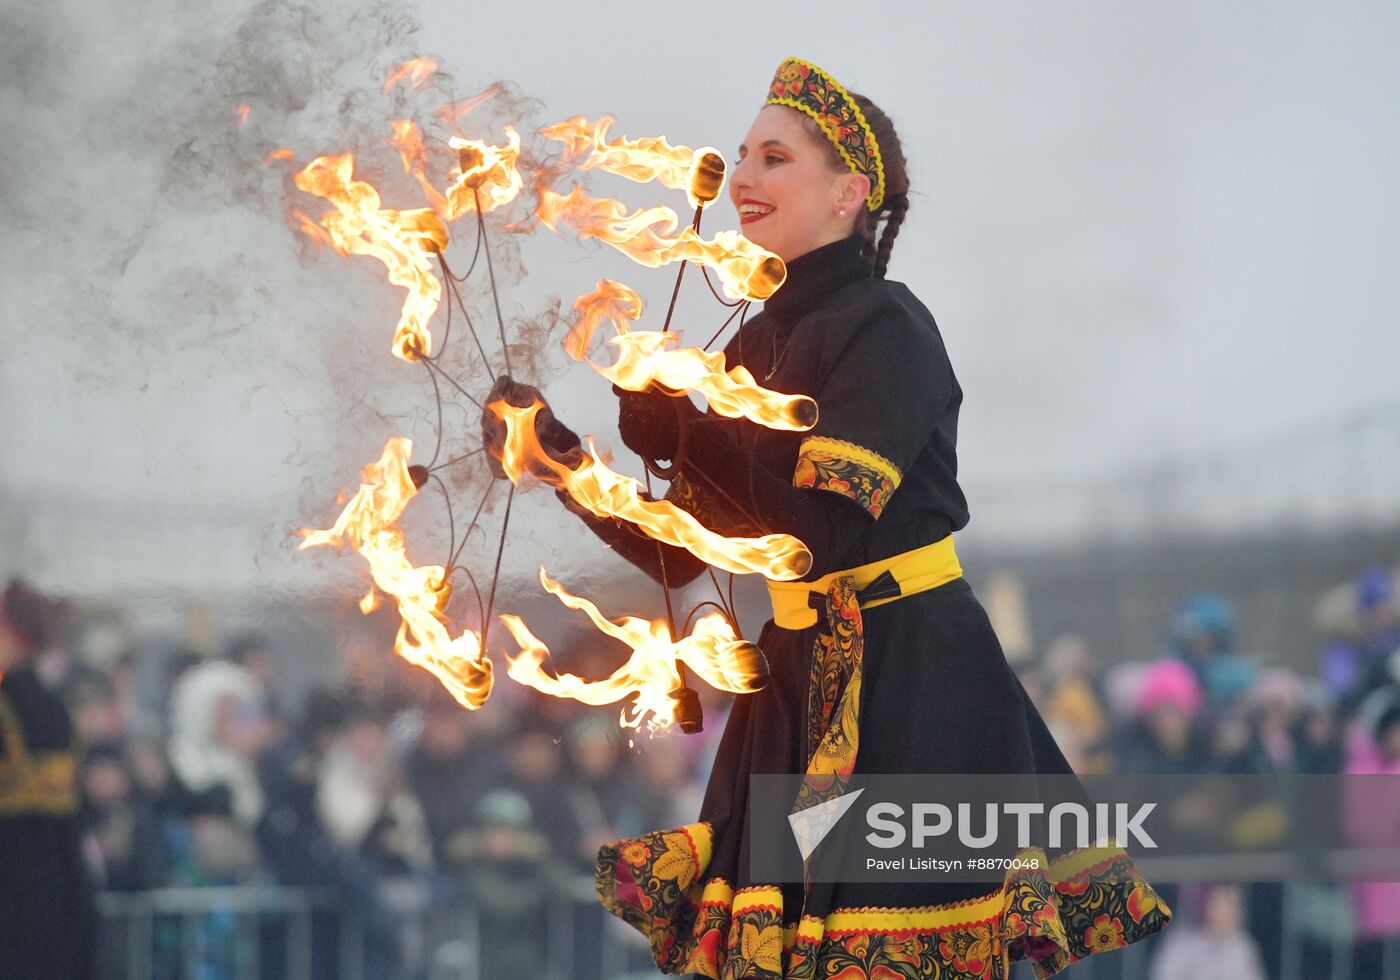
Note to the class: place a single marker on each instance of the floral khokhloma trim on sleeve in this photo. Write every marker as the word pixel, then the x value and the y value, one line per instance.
pixel 845 468
pixel 803 86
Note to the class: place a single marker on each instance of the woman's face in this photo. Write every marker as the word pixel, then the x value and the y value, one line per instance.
pixel 788 195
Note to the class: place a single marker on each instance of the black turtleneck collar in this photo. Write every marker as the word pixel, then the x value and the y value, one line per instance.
pixel 816 274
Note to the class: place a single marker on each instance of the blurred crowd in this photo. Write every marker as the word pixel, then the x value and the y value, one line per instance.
pixel 199 768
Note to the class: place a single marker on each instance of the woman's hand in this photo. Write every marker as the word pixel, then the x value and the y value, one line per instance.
pixel 558 440
pixel 650 421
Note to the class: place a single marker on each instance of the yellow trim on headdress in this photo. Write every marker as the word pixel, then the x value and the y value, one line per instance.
pixel 803 86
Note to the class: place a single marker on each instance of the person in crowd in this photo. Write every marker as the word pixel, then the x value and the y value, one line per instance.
pixel 1203 637
pixel 1219 948
pixel 537 773
pixel 451 767
pixel 296 847
pixel 218 728
pixel 1164 736
pixel 362 801
pixel 96 709
pixel 122 831
pixel 381 837
pixel 1355 666
pixel 597 758
pixel 1371 819
pixel 1071 703
pixel 47 916
pixel 1274 707
pixel 1317 735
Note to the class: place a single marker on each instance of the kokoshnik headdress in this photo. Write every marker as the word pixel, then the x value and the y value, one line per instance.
pixel 806 88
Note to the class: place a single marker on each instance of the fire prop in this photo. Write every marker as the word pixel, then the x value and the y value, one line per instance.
pixel 367 524
pixel 713 650
pixel 647 237
pixel 490 177
pixel 402 240
pixel 700 173
pixel 608 494
pixel 645 357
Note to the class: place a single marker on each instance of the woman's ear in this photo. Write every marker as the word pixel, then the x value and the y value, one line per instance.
pixel 855 188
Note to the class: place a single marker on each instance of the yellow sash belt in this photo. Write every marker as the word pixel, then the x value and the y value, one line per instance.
pixel 892 578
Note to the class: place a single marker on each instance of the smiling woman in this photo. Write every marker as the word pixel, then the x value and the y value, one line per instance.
pixel 882 659
pixel 800 183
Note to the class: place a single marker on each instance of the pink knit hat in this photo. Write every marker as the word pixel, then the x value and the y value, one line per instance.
pixel 1169 684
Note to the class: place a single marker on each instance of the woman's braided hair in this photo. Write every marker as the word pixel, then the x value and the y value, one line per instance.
pixel 896 203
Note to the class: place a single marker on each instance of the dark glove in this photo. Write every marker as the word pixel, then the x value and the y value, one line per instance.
pixel 561 442
pixel 650 421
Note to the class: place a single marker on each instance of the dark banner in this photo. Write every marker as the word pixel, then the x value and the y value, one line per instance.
pixel 981 828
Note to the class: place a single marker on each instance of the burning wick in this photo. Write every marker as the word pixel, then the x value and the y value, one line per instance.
pixel 706 179
pixel 690 716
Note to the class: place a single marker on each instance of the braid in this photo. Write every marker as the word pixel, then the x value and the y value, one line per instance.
pixel 896 203
pixel 898 208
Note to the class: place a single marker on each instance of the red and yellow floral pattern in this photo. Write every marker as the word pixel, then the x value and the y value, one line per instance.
pixel 805 87
pixel 845 468
pixel 1087 902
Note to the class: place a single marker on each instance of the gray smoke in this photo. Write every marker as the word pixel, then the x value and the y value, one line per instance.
pixel 198 379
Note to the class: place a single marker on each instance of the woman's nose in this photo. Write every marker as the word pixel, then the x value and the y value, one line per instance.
pixel 739 176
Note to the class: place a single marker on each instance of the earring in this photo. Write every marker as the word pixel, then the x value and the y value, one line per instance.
pixel 841 211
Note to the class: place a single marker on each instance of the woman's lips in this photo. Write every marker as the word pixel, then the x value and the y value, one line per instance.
pixel 748 219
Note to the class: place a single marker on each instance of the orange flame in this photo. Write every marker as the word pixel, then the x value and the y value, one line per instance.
pixel 367 524
pixel 648 356
pixel 485 170
pixel 610 494
pixel 402 240
pixel 700 173
pixel 243 111
pixel 713 650
pixel 283 154
pixel 454 112
pixel 417 71
pixel 408 140
pixel 647 236
pixel 482 169
pixel 610 300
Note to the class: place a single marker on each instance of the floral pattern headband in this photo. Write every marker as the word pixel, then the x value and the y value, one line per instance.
pixel 805 87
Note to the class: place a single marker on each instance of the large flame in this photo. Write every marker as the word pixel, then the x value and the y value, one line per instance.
pixel 700 173
pixel 648 237
pixel 713 650
pixel 367 524
pixel 647 356
pixel 402 240
pixel 483 172
pixel 608 494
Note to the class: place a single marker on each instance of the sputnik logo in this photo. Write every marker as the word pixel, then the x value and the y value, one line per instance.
pixel 810 826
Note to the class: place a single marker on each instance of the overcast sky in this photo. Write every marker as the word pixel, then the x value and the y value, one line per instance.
pixel 1143 229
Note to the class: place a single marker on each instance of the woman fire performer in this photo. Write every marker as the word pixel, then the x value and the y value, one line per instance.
pixel 882 660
